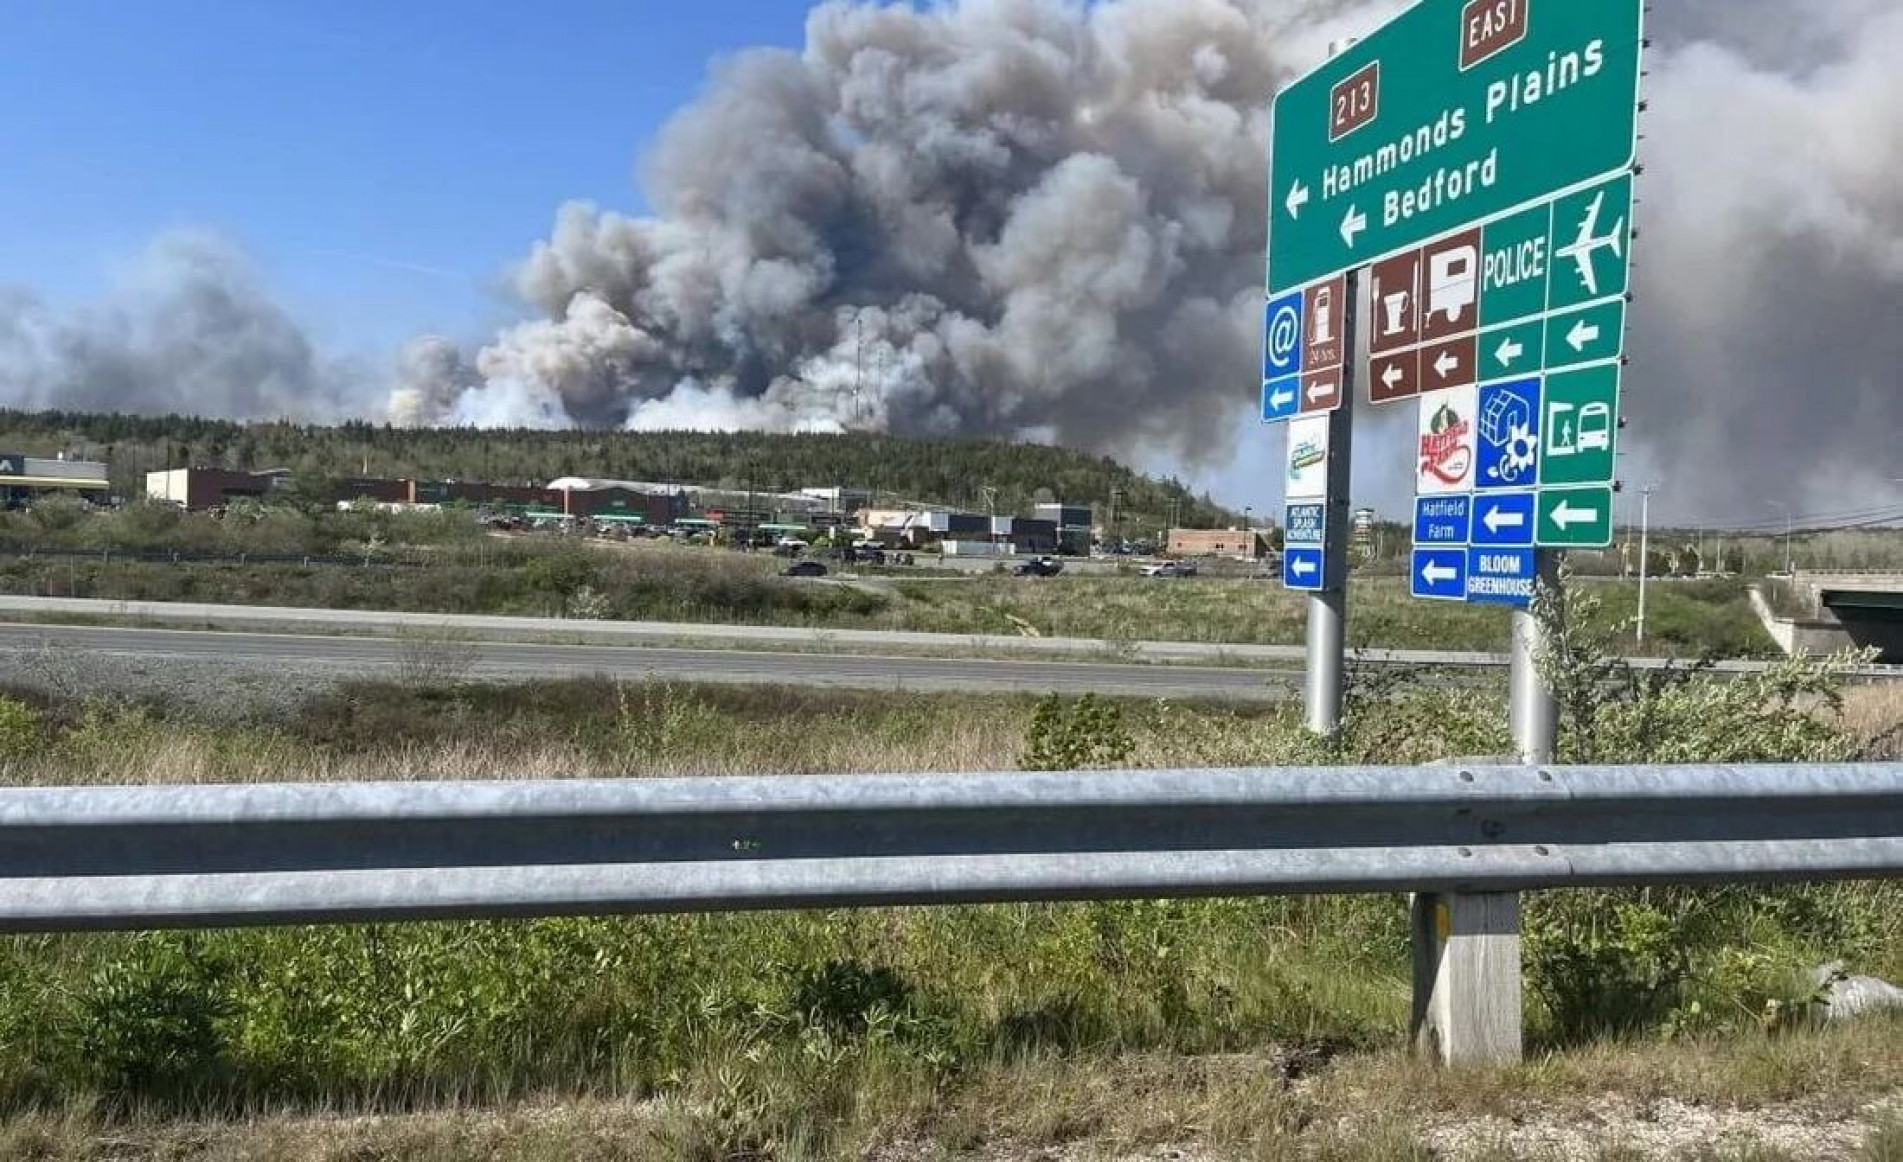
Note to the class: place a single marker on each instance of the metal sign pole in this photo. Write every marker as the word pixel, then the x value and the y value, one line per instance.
pixel 1535 710
pixel 1328 609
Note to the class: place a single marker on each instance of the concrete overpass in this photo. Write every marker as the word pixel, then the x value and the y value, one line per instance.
pixel 1823 612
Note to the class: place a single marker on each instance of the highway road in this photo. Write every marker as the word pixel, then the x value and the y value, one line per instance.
pixel 344 656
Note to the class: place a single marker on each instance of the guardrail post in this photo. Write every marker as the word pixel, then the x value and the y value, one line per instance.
pixel 1467 977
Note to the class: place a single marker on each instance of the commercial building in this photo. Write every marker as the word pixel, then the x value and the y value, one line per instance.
pixel 1236 544
pixel 601 499
pixel 1074 530
pixel 22 478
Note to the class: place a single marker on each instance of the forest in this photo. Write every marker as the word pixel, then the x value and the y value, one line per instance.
pixel 978 475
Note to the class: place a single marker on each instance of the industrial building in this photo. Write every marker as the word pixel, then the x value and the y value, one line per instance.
pixel 23 478
pixel 1235 544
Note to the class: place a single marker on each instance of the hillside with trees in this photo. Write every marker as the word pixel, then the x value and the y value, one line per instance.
pixel 977 475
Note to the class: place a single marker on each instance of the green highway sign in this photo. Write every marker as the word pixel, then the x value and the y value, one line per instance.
pixel 1574 518
pixel 1454 113
pixel 1591 242
pixel 1579 432
pixel 1592 334
pixel 1512 351
pixel 1543 288
pixel 1513 258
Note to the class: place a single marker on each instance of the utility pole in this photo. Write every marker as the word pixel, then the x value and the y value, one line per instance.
pixel 1790 559
pixel 1645 551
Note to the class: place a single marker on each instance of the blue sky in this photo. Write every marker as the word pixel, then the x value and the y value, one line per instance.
pixel 382 160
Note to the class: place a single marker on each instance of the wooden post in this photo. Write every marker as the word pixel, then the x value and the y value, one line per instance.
pixel 1467 977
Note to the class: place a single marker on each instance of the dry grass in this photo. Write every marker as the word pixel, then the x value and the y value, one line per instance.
pixel 1830 1094
pixel 1875 712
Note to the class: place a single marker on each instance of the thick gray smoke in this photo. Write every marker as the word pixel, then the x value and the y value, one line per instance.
pixel 1768 358
pixel 1003 217
pixel 1045 219
pixel 189 330
pixel 1035 218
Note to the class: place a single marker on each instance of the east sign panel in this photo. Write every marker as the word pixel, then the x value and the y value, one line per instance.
pixel 1454 113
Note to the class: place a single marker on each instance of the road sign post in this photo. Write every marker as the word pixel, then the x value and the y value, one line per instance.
pixel 1535 710
pixel 1328 605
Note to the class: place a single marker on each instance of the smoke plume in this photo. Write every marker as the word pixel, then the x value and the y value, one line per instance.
pixel 1045 219
pixel 190 329
pixel 1034 218
pixel 996 217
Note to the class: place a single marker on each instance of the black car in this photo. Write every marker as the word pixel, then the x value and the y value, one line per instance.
pixel 804 569
pixel 1039 567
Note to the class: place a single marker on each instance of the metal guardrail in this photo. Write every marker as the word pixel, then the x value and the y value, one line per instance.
pixel 215 557
pixel 139 857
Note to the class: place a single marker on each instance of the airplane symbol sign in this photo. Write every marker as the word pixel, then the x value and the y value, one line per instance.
pixel 1591 245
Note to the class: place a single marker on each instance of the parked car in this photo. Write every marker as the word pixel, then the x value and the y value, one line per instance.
pixel 1170 569
pixel 1038 567
pixel 804 569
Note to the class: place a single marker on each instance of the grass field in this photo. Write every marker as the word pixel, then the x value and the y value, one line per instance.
pixel 670 583
pixel 1232 1029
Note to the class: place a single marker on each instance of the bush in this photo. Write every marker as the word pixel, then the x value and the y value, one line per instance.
pixel 1085 735
pixel 20 729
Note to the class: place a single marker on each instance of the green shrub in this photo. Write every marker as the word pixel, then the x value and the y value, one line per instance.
pixel 1087 734
pixel 21 729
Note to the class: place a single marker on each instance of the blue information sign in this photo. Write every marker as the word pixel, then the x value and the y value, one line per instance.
pixel 1281 400
pixel 1304 569
pixel 1509 430
pixel 1442 520
pixel 1503 520
pixel 1282 337
pixel 1440 574
pixel 1501 577
pixel 1307 524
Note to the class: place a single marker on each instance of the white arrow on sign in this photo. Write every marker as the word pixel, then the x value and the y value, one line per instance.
pixel 1447 364
pixel 1392 376
pixel 1352 226
pixel 1320 390
pixel 1582 334
pixel 1435 574
pixel 1304 567
pixel 1509 351
pixel 1282 398
pixel 1499 518
pixel 1566 516
pixel 1297 198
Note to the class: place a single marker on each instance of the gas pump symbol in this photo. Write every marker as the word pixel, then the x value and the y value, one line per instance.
pixel 1324 317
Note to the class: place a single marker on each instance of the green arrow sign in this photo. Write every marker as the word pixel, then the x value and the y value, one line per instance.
pixel 1455 112
pixel 1574 518
pixel 1511 352
pixel 1593 334
pixel 1580 435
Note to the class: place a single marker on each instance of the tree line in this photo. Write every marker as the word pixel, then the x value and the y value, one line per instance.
pixel 980 475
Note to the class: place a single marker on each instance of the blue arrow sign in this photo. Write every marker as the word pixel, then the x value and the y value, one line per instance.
pixel 1304 569
pixel 1307 524
pixel 1443 520
pixel 1281 400
pixel 1503 520
pixel 1440 574
pixel 1501 577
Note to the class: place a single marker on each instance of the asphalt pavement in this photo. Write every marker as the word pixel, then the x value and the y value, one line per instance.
pixel 345 656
